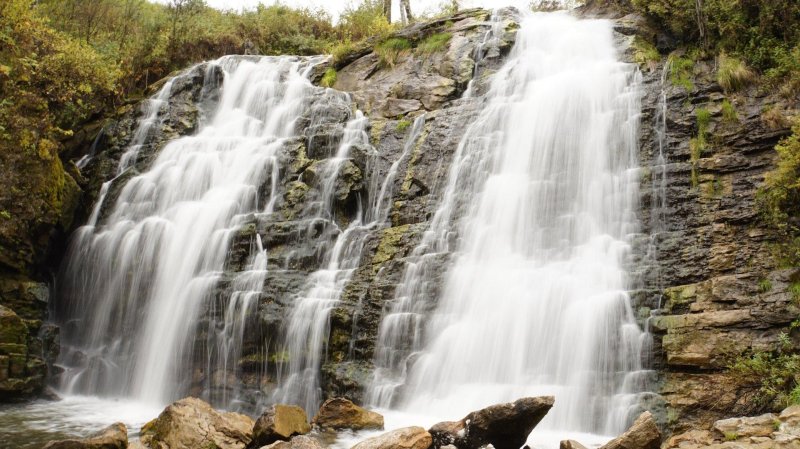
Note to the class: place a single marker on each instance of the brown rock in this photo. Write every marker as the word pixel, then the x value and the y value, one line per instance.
pixel 571 444
pixel 191 423
pixel 504 426
pixel 643 434
pixel 279 422
pixel 298 442
pixel 756 426
pixel 340 413
pixel 114 436
pixel 406 438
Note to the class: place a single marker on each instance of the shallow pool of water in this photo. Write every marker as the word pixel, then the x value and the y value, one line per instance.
pixel 31 425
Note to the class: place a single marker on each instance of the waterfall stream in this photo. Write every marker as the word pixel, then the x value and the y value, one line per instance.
pixel 518 284
pixel 536 218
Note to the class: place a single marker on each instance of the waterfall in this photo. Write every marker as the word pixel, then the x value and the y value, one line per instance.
pixel 308 327
pixel 138 280
pixel 534 228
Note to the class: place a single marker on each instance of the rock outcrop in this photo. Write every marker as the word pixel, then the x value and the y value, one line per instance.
pixel 114 436
pixel 191 423
pixel 504 426
pixel 405 438
pixel 298 442
pixel 767 431
pixel 279 422
pixel 340 413
pixel 643 434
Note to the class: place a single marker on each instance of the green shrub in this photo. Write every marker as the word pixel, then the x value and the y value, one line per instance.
pixel 403 125
pixel 390 50
pixel 645 54
pixel 729 114
pixel 773 378
pixel 434 43
pixel 733 74
pixel 681 71
pixel 329 78
pixel 780 194
pixel 765 285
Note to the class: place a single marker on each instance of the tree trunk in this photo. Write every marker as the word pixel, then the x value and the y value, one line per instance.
pixel 387 10
pixel 405 8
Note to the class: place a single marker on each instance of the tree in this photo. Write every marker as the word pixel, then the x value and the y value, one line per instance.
pixel 405 11
pixel 387 10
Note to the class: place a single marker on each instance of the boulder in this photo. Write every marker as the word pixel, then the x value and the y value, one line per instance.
pixel 504 426
pixel 341 413
pixel 114 436
pixel 756 426
pixel 279 423
pixel 191 423
pixel 405 438
pixel 298 442
pixel 571 444
pixel 643 434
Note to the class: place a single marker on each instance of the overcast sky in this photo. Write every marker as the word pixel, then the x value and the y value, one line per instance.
pixel 336 6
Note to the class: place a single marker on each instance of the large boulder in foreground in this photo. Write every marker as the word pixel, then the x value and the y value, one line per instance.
pixel 279 423
pixel 405 438
pixel 114 436
pixel 341 413
pixel 193 424
pixel 571 444
pixel 643 434
pixel 504 426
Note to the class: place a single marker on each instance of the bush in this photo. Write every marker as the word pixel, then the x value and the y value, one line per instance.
pixel 434 43
pixel 733 74
pixel 329 78
pixel 772 378
pixel 390 50
pixel 681 71
pixel 780 196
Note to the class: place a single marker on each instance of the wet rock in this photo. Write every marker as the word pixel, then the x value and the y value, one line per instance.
pixel 571 444
pixel 341 413
pixel 298 442
pixel 279 422
pixel 114 436
pixel 191 423
pixel 406 438
pixel 22 373
pixel 643 434
pixel 504 426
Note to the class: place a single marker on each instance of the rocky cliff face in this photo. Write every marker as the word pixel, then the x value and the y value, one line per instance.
pixel 703 259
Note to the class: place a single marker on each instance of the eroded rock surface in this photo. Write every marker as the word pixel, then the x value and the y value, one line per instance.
pixel 279 422
pixel 191 424
pixel 405 438
pixel 114 436
pixel 340 413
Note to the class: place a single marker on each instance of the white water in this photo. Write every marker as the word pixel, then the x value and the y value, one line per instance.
pixel 138 280
pixel 308 327
pixel 538 211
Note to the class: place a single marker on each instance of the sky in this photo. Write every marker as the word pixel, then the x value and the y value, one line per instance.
pixel 336 6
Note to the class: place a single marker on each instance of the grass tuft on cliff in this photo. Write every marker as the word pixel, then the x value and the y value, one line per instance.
pixel 434 43
pixel 391 50
pixel 733 74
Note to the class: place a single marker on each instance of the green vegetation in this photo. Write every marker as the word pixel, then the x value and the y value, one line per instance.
pixel 403 125
pixel 731 436
pixel 779 198
pixel 390 50
pixel 329 78
pixel 434 43
pixel 645 54
pixel 773 378
pixel 681 71
pixel 764 34
pixel 733 74
pixel 765 285
pixel 729 114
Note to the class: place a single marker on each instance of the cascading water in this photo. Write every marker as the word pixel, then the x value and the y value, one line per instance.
pixel 137 280
pixel 536 218
pixel 308 327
